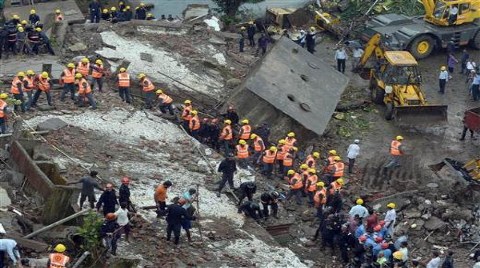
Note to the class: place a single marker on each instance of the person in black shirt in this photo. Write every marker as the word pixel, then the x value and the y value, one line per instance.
pixel 247 189
pixel 310 40
pixel 270 199
pixel 232 115
pixel 33 18
pixel 109 232
pixel 228 167
pixel 251 209
pixel 108 199
pixel 124 194
pixel 88 186
pixel 141 12
pixel 175 215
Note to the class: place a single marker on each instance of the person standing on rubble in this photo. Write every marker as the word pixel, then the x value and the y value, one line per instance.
pixel 186 114
pixel 67 78
pixel 17 91
pixel 160 197
pixel 232 115
pixel 352 153
pixel 359 210
pixel 176 214
pixel 123 82
pixel 241 40
pixel 226 136
pixel 390 219
pixel 268 160
pixel 251 30
pixel 147 88
pixel 124 193
pixel 213 133
pixel 128 14
pixel 165 102
pixel 194 125
pixel 341 58
pixel 396 152
pixel 247 189
pixel 242 152
pixel 310 40
pixel 44 84
pixel 29 86
pixel 98 72
pixel 189 197
pixel 94 8
pixel 141 12
pixel 296 185
pixel 45 40
pixel 262 44
pixel 33 18
pixel 228 167
pixel 258 148
pixel 89 183
pixel 109 233
pixel 108 199
pixel 123 221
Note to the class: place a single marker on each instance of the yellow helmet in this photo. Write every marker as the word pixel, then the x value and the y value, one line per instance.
pixel 3 96
pixel 243 28
pixel 320 184
pixel 78 75
pixel 120 3
pixel 391 205
pixel 113 9
pixel 71 65
pixel 282 141
pixel 22 74
pixel 57 11
pixel 312 28
pixel 24 22
pixel 99 62
pixel 30 72
pixel 245 121
pixel 159 91
pixel 253 136
pixel 33 11
pixel 443 68
pixel 291 135
pixel 291 172
pixel 60 248
pixel 187 102
pixel 398 255
pixel 105 10
pixel 38 29
pixel 127 7
pixel 332 152
pixel 273 148
pixel 242 142
pixel 250 22
pixel 85 60
pixel 142 75
pixel 359 201
pixel 304 166
pixel 312 170
pixel 228 122
pixel 316 154
pixel 340 181
pixel 142 4
pixel 194 112
pixel 399 138
pixel 16 17
pixel 20 29
pixel 294 148
pixel 44 75
pixel 337 158
pixel 149 15
pixel 122 70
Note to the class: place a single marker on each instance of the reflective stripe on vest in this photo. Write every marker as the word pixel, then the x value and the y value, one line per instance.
pixel 246 130
pixel 3 104
pixel 14 89
pixel 281 152
pixel 123 80
pixel 43 84
pixel 97 71
pixel 269 157
pixel 320 197
pixel 313 183
pixel 395 148
pixel 296 182
pixel 290 142
pixel 147 85
pixel 82 90
pixel 258 144
pixel 58 260
pixel 186 113
pixel 310 161
pixel 68 76
pixel 30 85
pixel 226 133
pixel 242 151
pixel 194 123
pixel 339 167
pixel 84 69
pixel 288 160
pixel 165 98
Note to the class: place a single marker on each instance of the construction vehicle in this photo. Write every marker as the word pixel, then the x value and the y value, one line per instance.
pixel 396 82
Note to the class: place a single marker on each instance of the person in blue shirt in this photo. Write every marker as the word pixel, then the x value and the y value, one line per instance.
pixel 95 7
pixel 33 18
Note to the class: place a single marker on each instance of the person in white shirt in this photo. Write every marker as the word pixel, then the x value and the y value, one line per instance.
pixel 341 57
pixel 470 66
pixel 452 14
pixel 357 55
pixel 390 219
pixel 442 79
pixel 352 153
pixel 122 219
pixel 9 246
pixel 359 210
pixel 435 262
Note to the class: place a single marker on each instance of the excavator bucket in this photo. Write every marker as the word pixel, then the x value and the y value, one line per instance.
pixel 424 114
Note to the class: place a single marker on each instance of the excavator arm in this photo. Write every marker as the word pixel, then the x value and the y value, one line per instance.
pixel 373 47
pixel 429 6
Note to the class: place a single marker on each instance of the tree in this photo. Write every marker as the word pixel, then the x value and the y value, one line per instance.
pixel 230 7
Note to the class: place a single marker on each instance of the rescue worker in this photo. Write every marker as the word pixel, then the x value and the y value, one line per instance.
pixel 270 199
pixel 58 259
pixel 241 41
pixel 141 12
pixel 109 233
pixel 123 82
pixel 150 16
pixel 105 15
pixel 289 159
pixel 98 72
pixel 310 40
pixel 311 160
pixel 333 189
pixel 33 40
pixel 390 219
pixel 160 197
pixel 247 189
pixel 245 130
pixel 10 247
pixel 214 134
pixel 311 186
pixel 228 167
pixel 123 220
pixel 3 113
pixel 113 14
pixel 268 160
pixel 304 175
pixel 29 86
pixel 43 84
pixel 320 199
pixel 45 40
pixel 89 183
pixel 338 168
pixel 359 210
pixel 352 153
pixel 242 152
pixel 251 30
pixel 251 209
pixel 176 214
pixel 33 18
pixel 443 78
pixel 128 14
pixel 121 5
pixel 94 8
pixel 258 148
pixel 290 140
pixel 282 150
pixel 22 46
pixel 83 67
pixel 232 115
pixel 194 124
pixel 11 44
pixel 108 199
pixel 84 91
pixel 15 20
pixel 396 152
pixel 124 194
pixel 17 90
pixel 329 162
pixel 263 131
pixel 226 136
pixel 147 88
pixel 58 15
pixel 186 116
pixel 68 80
pixel 165 102
pixel 296 186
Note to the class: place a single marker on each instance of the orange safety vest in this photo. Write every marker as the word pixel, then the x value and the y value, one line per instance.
pixel 313 183
pixel 226 133
pixel 305 175
pixel 123 80
pixel 84 69
pixel 281 152
pixel 30 85
pixel 246 130
pixel 258 144
pixel 242 151
pixel 147 85
pixel 194 123
pixel 339 167
pixel 97 71
pixel 296 182
pixel 58 260
pixel 14 89
pixel 318 200
pixel 68 76
pixel 186 112
pixel 82 90
pixel 395 148
pixel 269 157
pixel 335 186
pixel 310 161
pixel 288 160
pixel 43 84
pixel 165 98
pixel 3 104
pixel 290 142
pixel 59 17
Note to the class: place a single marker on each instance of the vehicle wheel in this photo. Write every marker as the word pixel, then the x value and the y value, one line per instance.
pixel 377 94
pixel 476 40
pixel 389 111
pixel 422 47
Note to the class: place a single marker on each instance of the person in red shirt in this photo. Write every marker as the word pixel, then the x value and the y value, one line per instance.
pixel 372 220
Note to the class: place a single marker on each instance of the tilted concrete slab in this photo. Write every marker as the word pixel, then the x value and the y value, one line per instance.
pixel 10 67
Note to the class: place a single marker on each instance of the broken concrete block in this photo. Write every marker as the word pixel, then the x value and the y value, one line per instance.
pixel 4 198
pixel 51 124
pixel 78 47
pixel 91 26
pixel 434 223
pixel 215 40
pixel 44 108
pixel 146 57
pixel 13 177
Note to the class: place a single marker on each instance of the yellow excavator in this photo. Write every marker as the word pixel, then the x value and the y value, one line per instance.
pixel 396 82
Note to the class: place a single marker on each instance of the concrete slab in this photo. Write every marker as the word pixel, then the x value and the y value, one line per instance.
pixel 46 10
pixel 15 64
pixel 4 198
pixel 195 11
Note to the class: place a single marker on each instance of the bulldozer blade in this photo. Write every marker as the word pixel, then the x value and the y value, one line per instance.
pixel 424 114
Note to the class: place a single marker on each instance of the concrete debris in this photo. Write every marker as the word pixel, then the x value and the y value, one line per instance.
pixel 77 47
pixel 233 82
pixel 217 41
pixel 213 22
pixel 5 200
pixel 51 124
pixel 434 223
pixel 195 11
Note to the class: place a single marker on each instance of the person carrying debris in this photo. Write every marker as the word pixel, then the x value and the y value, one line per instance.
pixel 17 91
pixel 176 214
pixel 251 30
pixel 258 148
pixel 247 189
pixel 270 199
pixel 268 159
pixel 67 78
pixel 108 199
pixel 84 91
pixel 228 167
pixel 165 102
pixel 43 84
pixel 58 259
pixel 10 247
pixel 123 82
pixel 98 72
pixel 122 215
pixel 109 233
pixel 160 197
pixel 89 183
pixel 396 152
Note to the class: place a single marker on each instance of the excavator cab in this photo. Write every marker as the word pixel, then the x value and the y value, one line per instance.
pixel 437 12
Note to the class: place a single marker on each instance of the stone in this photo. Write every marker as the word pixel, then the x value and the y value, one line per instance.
pixel 412 214
pixel 215 40
pixel 51 124
pixel 233 82
pixel 426 216
pixel 45 108
pixel 78 47
pixel 456 214
pixel 13 177
pixel 91 26
pixel 146 57
pixel 4 198
pixel 434 223
pixel 432 185
pixel 308 215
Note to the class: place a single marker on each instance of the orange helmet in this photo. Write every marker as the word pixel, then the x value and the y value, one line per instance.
pixel 110 216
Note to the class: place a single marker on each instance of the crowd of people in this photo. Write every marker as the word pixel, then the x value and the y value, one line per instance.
pixel 121 12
